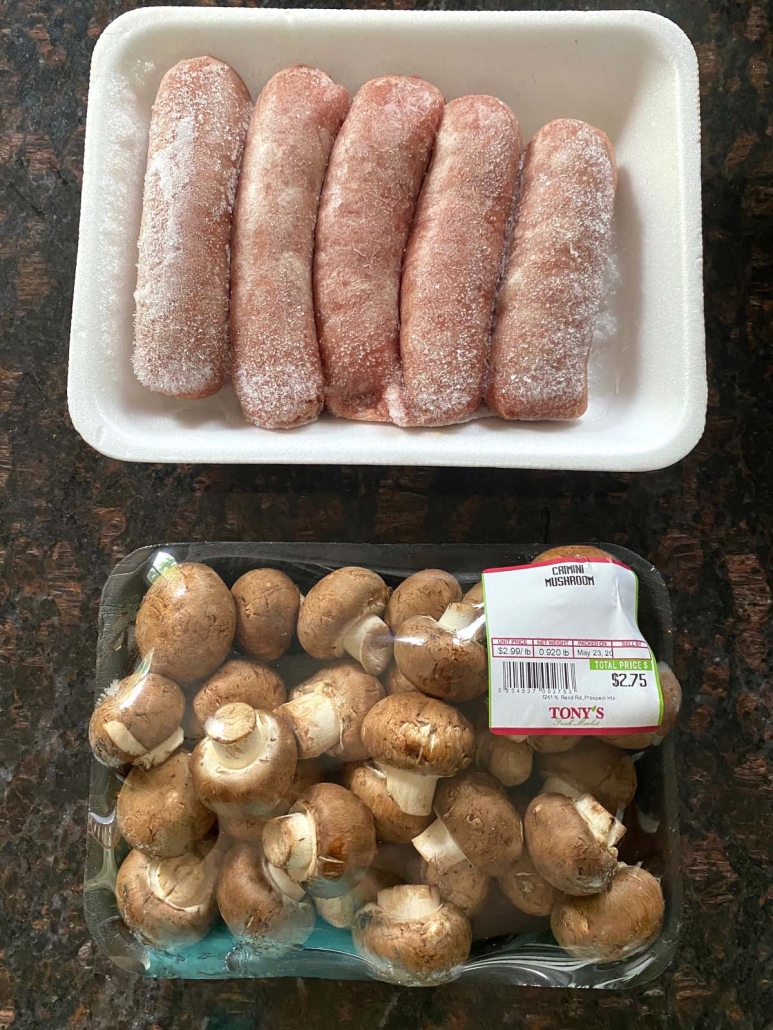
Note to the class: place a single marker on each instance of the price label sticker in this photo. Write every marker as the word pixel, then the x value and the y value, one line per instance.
pixel 566 655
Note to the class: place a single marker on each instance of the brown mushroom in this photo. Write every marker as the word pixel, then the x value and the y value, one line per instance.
pixel 170 902
pixel 411 937
pixel 186 622
pixel 245 764
pixel 249 828
pixel 574 551
pixel 672 702
pixel 326 841
pixel 137 721
pixel 553 743
pixel 474 595
pixel 475 821
pixel 444 658
pixel 392 824
pixel 340 911
pixel 342 614
pixel 158 811
pixel 415 740
pixel 572 843
pixel 593 767
pixel 261 904
pixel 428 592
pixel 509 759
pixel 461 884
pixel 528 891
pixel 611 925
pixel 327 711
pixel 395 683
pixel 240 679
pixel 267 604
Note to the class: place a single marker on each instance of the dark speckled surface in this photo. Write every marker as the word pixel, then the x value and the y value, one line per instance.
pixel 69 515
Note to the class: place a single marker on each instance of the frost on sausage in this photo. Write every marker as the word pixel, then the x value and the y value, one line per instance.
pixel 197 132
pixel 554 280
pixel 375 173
pixel 275 363
pixel 453 261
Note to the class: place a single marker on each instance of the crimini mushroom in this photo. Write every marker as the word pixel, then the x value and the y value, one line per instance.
pixel 593 767
pixel 572 843
pixel 528 891
pixel 424 593
pixel 416 740
pixel 474 595
pixel 444 658
pixel 609 926
pixel 341 614
pixel 395 683
pixel 261 904
pixel 509 759
pixel 411 937
pixel 240 679
pixel 341 911
pixel 245 763
pixel 158 810
pixel 249 828
pixel 169 901
pixel 573 551
pixel 475 821
pixel 553 743
pixel 392 824
pixel 327 711
pixel 326 841
pixel 137 721
pixel 186 622
pixel 267 604
pixel 462 884
pixel 672 702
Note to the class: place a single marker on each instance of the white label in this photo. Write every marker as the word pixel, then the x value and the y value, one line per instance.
pixel 565 653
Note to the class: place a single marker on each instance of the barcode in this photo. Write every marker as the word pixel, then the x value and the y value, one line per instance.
pixel 542 676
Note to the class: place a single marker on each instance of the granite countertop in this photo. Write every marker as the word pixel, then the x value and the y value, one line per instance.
pixel 71 514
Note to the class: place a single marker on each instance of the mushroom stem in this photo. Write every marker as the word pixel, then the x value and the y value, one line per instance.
pixel 289 843
pixel 436 845
pixel 555 785
pixel 237 734
pixel 412 792
pixel 162 751
pixel 409 902
pixel 284 884
pixel 464 620
pixel 368 641
pixel 604 827
pixel 315 723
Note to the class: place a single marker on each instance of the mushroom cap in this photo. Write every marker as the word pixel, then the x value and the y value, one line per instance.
pixel 158 810
pixel 392 824
pixel 508 759
pixel 395 683
pixel 148 707
pixel 439 662
pixel 597 768
pixel 428 592
pixel 267 604
pixel 573 551
pixel 553 743
pixel 344 838
pixel 610 925
pixel 185 625
pixel 463 885
pixel 528 891
pixel 474 595
pixel 253 907
pixel 247 829
pixel 249 789
pixel 353 692
pixel 334 604
pixel 240 679
pixel 563 848
pixel 411 731
pixel 411 937
pixel 169 901
pixel 477 813
pixel 672 702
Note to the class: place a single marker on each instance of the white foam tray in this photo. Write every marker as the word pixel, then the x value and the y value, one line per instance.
pixel 632 73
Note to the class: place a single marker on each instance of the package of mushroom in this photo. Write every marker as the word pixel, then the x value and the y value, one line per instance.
pixel 405 763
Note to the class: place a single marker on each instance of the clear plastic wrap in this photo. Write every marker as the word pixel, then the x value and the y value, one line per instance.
pixel 209 660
